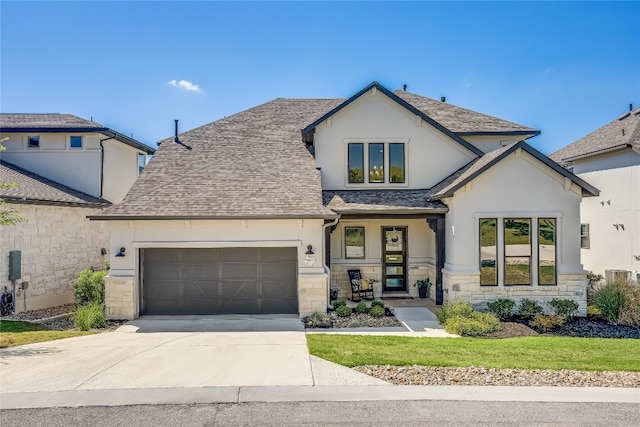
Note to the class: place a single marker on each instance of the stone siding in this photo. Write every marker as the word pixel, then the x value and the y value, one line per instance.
pixel 120 298
pixel 312 294
pixel 467 287
pixel 57 243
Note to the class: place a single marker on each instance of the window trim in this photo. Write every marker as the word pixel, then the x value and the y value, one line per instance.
pixel 555 249
pixel 364 242
pixel 386 162
pixel 71 137
pixel 586 236
pixel 35 138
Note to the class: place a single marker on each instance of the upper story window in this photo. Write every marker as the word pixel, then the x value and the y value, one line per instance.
pixel 75 141
pixel 380 162
pixel 33 141
pixel 141 162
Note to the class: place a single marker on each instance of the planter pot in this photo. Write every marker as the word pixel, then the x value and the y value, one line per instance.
pixel 422 292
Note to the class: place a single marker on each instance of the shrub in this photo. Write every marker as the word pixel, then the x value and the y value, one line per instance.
pixel 377 303
pixel 502 308
pixel 564 307
pixel 472 326
pixel 340 303
pixel 354 323
pixel 343 311
pixel 318 320
pixel 89 287
pixel 609 299
pixel 361 307
pixel 376 311
pixel 546 322
pixel 89 316
pixel 592 310
pixel 529 308
pixel 454 308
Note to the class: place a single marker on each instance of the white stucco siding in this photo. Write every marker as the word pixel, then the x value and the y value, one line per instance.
pixel 617 176
pixel 120 170
pixel 123 292
pixel 78 168
pixel 430 155
pixel 518 186
pixel 57 243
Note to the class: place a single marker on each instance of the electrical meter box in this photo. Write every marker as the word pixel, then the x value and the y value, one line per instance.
pixel 15 265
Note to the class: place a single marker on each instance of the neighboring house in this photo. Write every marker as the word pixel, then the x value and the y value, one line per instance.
pixel 265 210
pixel 65 168
pixel 609 158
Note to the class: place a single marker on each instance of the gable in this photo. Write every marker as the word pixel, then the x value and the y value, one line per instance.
pixel 374 117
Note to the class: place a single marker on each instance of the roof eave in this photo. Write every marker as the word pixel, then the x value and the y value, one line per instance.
pixel 569 160
pixel 207 217
pixel 32 201
pixel 527 133
pixel 391 211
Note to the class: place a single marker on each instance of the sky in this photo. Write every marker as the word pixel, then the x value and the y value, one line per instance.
pixel 565 68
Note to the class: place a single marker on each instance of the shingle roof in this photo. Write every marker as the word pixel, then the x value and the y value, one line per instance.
pixel 32 188
pixel 476 167
pixel 381 201
pixel 54 122
pixel 460 120
pixel 251 164
pixel 624 132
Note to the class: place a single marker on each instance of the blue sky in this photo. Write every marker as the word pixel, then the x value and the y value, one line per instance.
pixel 565 68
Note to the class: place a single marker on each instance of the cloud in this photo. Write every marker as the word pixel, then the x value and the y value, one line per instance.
pixel 186 85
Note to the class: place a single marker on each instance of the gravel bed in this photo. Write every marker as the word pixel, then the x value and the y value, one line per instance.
pixel 361 320
pixel 58 318
pixel 420 375
pixel 589 328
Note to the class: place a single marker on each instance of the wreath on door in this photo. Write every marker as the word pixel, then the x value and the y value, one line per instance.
pixel 394 238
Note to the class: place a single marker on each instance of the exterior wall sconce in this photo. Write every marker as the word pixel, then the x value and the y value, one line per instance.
pixel 619 226
pixel 309 257
pixel 602 202
pixel 121 253
pixel 103 251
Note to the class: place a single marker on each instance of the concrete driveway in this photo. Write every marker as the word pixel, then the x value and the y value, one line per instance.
pixel 161 352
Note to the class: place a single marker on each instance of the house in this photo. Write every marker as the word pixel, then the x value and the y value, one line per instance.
pixel 265 211
pixel 65 168
pixel 609 158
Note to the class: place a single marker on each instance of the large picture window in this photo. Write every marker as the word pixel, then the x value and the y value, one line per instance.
pixel 376 162
pixel 356 163
pixel 547 251
pixel 354 242
pixel 517 251
pixel 488 251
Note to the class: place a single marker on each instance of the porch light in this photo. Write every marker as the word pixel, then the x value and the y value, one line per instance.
pixel 121 253
pixel 309 257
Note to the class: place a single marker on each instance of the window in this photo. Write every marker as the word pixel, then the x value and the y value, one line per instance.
pixel 396 163
pixel 141 163
pixel 488 251
pixel 384 161
pixel 75 142
pixel 585 241
pixel 517 251
pixel 546 251
pixel 356 163
pixel 354 242
pixel 33 142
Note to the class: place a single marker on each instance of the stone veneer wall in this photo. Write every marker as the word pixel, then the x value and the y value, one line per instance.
pixel 312 294
pixel 57 243
pixel 120 298
pixel 467 288
pixel 340 278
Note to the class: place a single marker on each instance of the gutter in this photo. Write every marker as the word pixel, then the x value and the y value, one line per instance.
pixel 324 261
pixel 102 162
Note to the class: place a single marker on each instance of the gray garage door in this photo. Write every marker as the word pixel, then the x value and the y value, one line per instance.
pixel 219 281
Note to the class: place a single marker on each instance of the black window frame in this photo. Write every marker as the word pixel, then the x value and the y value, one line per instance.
pixel 361 144
pixel 34 138
pixel 495 220
pixel 76 137
pixel 505 256
pixel 364 241
pixel 404 165
pixel 555 252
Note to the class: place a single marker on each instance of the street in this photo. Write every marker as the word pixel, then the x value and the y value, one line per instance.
pixel 379 413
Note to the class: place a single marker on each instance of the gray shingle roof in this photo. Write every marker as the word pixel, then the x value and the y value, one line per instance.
pixel 251 164
pixel 54 122
pixel 460 120
pixel 381 201
pixel 621 133
pixel 476 167
pixel 32 188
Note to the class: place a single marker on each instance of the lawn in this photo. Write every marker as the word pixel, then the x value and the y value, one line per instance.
pixel 555 353
pixel 20 333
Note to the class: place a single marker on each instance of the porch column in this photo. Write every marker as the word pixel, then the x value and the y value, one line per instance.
pixel 437 225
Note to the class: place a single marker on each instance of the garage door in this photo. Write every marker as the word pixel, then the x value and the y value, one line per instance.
pixel 219 281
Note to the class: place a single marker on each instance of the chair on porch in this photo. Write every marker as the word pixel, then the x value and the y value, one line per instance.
pixel 360 288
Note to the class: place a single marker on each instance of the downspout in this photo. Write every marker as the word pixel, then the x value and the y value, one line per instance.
pixel 102 163
pixel 324 261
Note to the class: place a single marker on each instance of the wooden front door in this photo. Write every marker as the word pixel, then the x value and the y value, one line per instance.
pixel 394 259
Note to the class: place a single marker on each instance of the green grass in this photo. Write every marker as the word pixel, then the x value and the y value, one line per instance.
pixel 20 333
pixel 555 353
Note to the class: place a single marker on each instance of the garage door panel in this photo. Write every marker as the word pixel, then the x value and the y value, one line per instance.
pixel 220 281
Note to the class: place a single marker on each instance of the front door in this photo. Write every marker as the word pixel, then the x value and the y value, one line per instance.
pixel 394 259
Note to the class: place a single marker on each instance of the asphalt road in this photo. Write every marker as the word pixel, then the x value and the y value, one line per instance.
pixel 379 413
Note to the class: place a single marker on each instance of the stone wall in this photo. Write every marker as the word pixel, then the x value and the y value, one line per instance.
pixel 467 287
pixel 120 298
pixel 57 243
pixel 312 294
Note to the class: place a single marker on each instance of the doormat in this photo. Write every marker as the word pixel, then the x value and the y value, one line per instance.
pixel 396 297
